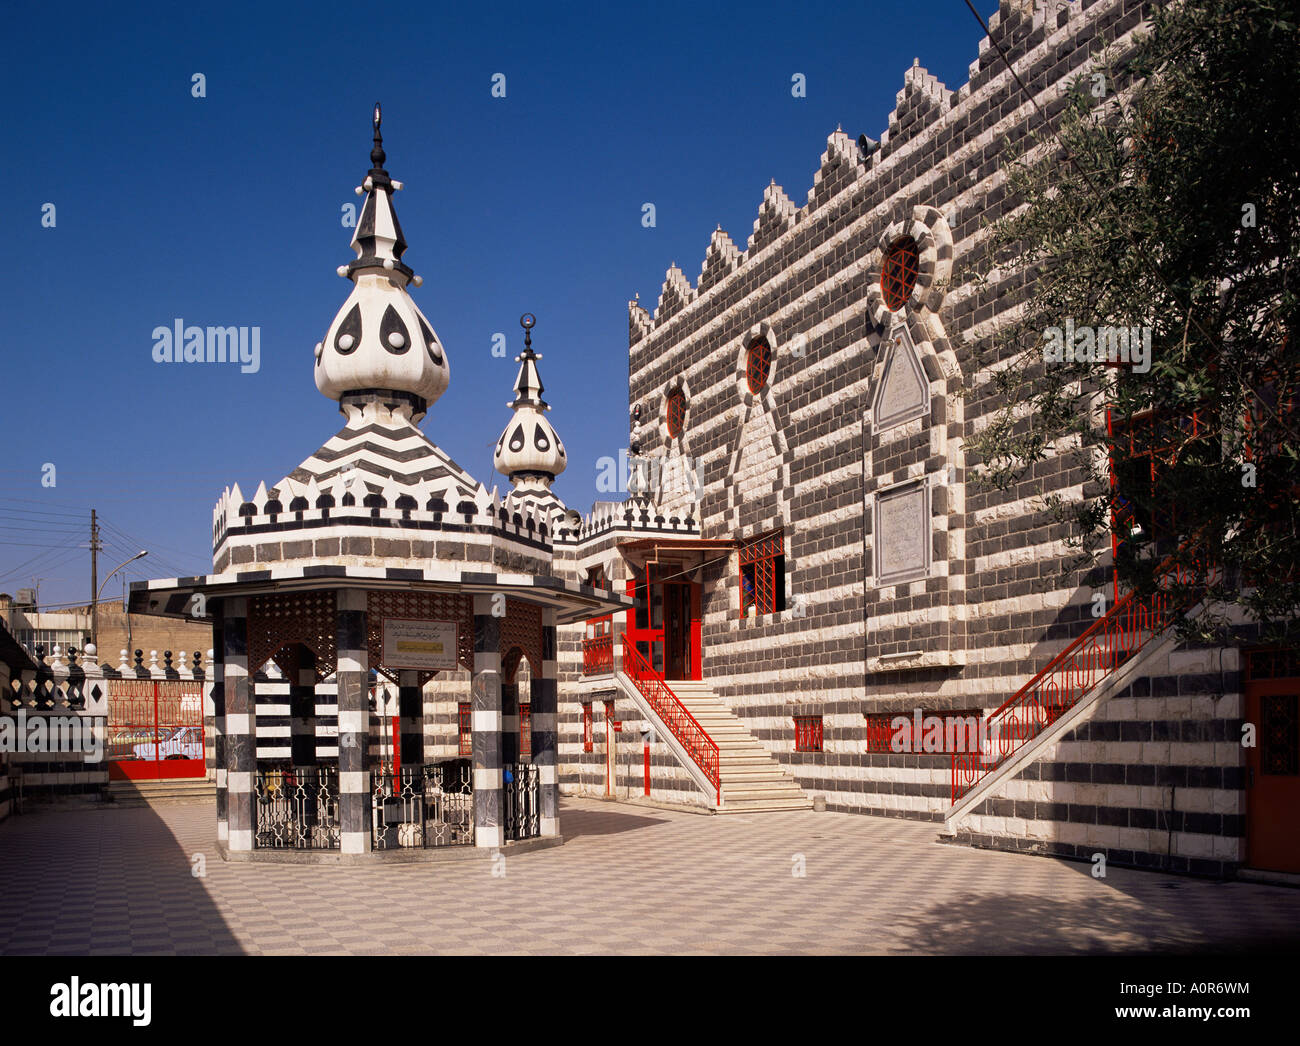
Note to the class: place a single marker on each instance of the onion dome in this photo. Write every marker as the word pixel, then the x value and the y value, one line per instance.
pixel 529 452
pixel 380 344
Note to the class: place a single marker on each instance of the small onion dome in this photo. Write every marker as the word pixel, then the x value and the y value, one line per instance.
pixel 529 452
pixel 380 341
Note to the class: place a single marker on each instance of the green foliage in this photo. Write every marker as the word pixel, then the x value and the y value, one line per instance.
pixel 1169 203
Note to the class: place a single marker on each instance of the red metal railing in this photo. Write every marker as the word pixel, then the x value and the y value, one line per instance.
pixel 1110 641
pixel 598 655
pixel 675 715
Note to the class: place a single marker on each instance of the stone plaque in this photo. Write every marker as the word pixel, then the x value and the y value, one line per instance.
pixel 904 393
pixel 902 534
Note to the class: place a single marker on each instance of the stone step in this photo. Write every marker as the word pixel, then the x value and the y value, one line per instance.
pixel 142 793
pixel 760 789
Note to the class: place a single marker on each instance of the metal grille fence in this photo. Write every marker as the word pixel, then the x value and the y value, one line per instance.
pixel 522 818
pixel 297 809
pixel 423 806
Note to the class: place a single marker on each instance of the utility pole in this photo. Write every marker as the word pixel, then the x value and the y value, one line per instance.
pixel 94 579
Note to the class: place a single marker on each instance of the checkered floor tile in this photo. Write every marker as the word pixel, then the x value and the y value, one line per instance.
pixel 628 880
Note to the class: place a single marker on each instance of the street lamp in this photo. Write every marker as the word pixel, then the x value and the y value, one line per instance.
pixel 94 607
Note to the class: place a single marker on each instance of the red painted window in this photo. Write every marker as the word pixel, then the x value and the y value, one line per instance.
pixel 898 272
pixel 525 733
pixel 466 733
pixel 762 575
pixel 586 726
pixel 1142 448
pixel 807 733
pixel 880 730
pixel 598 634
pixel 758 365
pixel 676 413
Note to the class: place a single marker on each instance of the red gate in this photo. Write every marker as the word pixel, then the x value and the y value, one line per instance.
pixel 155 729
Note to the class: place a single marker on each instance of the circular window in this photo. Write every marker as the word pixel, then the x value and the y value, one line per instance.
pixel 758 365
pixel 898 273
pixel 676 413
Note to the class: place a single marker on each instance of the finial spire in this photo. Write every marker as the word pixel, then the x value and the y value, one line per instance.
pixel 529 452
pixel 380 344
pixel 377 155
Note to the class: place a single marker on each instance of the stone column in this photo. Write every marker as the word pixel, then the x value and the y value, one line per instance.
pixel 510 722
pixel 545 708
pixel 353 676
pixel 216 681
pixel 410 718
pixel 302 709
pixel 239 732
pixel 485 698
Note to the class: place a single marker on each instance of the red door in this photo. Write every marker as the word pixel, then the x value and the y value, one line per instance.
pixel 666 629
pixel 1273 765
pixel 155 729
pixel 645 623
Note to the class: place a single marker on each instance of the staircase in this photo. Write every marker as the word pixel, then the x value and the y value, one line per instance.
pixel 728 764
pixel 752 780
pixel 1101 661
pixel 146 793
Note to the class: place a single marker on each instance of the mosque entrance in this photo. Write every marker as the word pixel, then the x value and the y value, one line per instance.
pixel 666 627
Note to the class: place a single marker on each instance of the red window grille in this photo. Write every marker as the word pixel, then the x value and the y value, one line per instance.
pixel 880 730
pixel 466 731
pixel 586 726
pixel 898 272
pixel 676 413
pixel 807 733
pixel 758 365
pixel 762 575
pixel 1142 447
pixel 525 733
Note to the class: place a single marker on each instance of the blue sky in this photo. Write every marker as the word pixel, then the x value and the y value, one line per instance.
pixel 226 210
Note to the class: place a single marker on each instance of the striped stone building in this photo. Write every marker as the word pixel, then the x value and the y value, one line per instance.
pixel 812 563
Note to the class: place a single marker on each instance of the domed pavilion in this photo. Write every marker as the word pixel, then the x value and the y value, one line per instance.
pixel 376 565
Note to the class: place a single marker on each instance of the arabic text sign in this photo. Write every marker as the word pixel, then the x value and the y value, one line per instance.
pixel 411 643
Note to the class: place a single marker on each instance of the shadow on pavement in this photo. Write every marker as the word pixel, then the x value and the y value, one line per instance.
pixel 89 878
pixel 575 823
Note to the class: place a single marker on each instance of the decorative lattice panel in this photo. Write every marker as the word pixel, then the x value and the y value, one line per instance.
pixel 522 628
pixel 423 606
pixel 276 623
pixel 1279 742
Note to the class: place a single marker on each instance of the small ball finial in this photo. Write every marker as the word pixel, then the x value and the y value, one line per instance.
pixel 528 321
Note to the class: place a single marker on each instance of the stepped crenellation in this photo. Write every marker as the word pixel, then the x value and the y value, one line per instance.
pixel 1016 27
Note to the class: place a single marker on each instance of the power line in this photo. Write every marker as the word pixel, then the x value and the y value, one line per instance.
pixel 37 562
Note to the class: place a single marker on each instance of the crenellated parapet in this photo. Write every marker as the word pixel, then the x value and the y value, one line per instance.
pixel 345 521
pixel 634 517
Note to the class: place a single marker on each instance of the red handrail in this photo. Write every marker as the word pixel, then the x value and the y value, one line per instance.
pixel 1104 646
pixel 675 715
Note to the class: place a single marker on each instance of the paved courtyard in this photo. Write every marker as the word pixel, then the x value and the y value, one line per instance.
pixel 628 880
